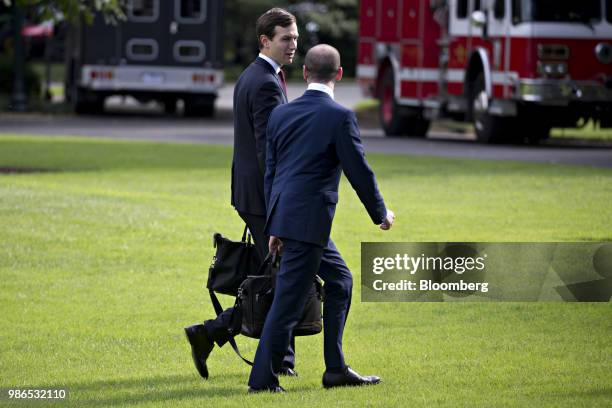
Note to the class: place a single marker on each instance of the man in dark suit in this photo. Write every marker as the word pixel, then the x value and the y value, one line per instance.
pixel 310 142
pixel 260 88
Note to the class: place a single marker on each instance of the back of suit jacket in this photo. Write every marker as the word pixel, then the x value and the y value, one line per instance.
pixel 257 92
pixel 310 142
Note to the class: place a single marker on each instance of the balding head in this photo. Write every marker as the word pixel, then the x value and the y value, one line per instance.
pixel 322 63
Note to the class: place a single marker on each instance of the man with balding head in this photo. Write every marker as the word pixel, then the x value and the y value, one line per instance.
pixel 310 142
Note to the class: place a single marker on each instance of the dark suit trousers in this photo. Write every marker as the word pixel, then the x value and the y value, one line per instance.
pixel 217 329
pixel 300 263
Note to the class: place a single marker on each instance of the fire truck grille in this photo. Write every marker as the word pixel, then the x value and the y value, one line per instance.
pixel 553 51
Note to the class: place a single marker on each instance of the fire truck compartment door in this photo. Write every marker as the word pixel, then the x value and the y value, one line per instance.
pixel 498 18
pixel 389 20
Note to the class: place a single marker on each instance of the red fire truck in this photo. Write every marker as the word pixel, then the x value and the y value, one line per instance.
pixel 515 68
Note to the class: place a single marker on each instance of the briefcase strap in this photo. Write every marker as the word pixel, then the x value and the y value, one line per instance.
pixel 246 235
pixel 219 310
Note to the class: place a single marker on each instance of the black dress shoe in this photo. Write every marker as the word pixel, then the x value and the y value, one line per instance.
pixel 347 377
pixel 201 347
pixel 277 389
pixel 288 372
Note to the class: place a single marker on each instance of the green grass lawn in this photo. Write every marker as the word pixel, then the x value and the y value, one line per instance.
pixel 588 131
pixel 103 258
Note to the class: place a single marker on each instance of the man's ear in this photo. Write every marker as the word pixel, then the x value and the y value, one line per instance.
pixel 264 41
pixel 305 73
pixel 339 74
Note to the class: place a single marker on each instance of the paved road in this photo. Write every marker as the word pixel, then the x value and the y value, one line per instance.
pixel 131 121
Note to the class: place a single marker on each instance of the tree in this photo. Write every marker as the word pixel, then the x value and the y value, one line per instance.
pixel 333 22
pixel 328 21
pixel 71 10
pixel 240 18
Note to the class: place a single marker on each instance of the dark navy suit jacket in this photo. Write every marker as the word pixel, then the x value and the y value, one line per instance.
pixel 257 92
pixel 310 142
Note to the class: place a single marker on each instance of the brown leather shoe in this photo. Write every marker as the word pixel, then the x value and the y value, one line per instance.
pixel 201 347
pixel 347 378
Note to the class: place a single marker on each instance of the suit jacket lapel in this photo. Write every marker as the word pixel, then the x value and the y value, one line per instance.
pixel 265 63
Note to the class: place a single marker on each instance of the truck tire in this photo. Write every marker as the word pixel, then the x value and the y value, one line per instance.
pixel 199 107
pixel 86 102
pixel 488 128
pixel 416 125
pixel 398 120
pixel 169 106
pixel 390 119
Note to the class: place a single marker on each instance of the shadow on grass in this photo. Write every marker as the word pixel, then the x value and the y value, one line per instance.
pixel 129 391
pixel 605 392
pixel 20 154
pixel 24 170
pixel 93 155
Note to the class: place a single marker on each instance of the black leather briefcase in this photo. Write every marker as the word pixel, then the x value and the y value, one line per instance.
pixel 255 296
pixel 232 263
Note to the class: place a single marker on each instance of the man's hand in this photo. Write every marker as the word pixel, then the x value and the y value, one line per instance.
pixel 388 222
pixel 275 245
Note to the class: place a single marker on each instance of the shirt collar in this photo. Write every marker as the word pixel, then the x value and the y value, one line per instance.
pixel 321 87
pixel 270 61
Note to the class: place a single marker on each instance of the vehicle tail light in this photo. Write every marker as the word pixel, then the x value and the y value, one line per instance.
pixel 203 78
pixel 103 75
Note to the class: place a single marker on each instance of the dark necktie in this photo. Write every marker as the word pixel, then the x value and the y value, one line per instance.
pixel 281 75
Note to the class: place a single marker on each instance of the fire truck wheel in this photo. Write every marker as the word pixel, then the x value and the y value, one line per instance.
pixel 393 123
pixel 416 125
pixel 488 128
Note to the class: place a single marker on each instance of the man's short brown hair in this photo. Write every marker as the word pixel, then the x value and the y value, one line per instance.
pixel 267 22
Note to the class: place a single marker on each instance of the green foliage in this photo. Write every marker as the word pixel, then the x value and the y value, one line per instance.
pixel 72 10
pixel 57 71
pixel 240 37
pixel 336 22
pixel 32 80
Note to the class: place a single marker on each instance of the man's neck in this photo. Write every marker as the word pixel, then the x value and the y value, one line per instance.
pixel 270 60
pixel 329 84
pixel 322 87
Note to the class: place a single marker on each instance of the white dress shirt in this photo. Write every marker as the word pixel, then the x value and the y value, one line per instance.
pixel 321 87
pixel 271 62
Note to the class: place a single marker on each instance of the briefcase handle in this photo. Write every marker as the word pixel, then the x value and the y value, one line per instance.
pixel 271 259
pixel 246 235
